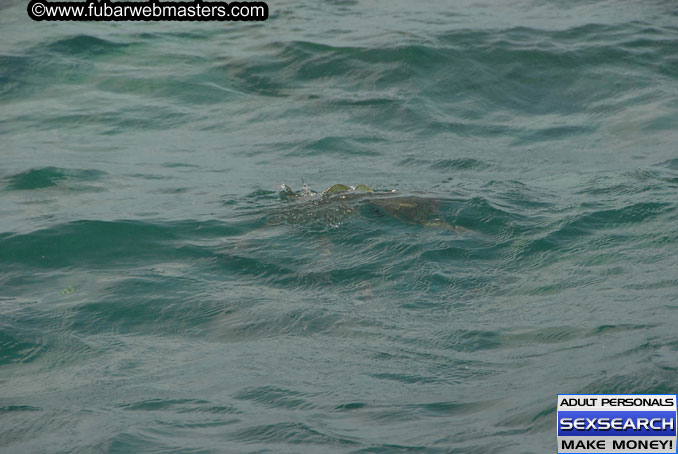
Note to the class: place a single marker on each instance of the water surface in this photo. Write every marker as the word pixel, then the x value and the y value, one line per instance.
pixel 148 302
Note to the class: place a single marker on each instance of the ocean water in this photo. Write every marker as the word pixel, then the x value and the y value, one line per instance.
pixel 158 295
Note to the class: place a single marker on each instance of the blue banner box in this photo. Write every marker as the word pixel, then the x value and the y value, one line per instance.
pixel 617 423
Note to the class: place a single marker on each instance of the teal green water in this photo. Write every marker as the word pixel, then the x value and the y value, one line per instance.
pixel 158 295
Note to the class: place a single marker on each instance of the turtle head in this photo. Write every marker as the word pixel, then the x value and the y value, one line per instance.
pixel 287 193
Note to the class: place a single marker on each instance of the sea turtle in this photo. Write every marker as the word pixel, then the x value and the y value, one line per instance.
pixel 288 194
pixel 339 202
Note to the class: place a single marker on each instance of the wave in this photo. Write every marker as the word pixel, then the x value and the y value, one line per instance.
pixel 46 177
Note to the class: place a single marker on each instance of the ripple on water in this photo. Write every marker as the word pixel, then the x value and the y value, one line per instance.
pixel 273 397
pixel 18 346
pixel 46 177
